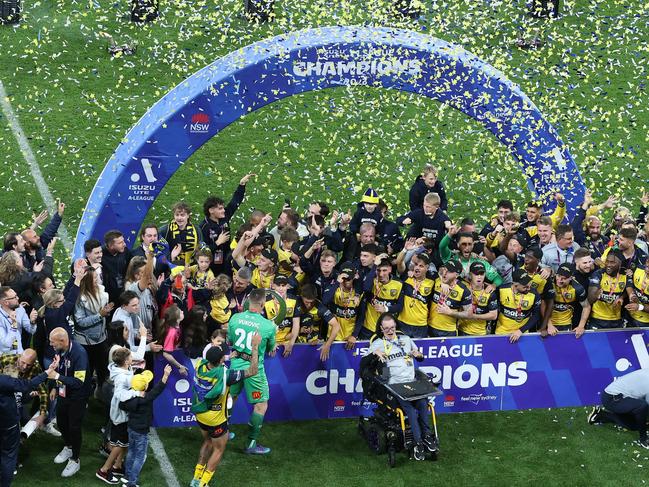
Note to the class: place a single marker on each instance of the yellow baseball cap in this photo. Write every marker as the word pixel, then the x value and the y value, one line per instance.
pixel 141 381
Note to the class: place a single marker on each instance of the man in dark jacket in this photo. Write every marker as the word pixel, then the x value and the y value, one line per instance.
pixel 10 418
pixel 73 388
pixel 35 245
pixel 140 417
pixel 114 262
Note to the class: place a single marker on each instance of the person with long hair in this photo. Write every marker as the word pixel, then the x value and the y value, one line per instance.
pixel 170 335
pixel 14 274
pixel 194 334
pixel 90 314
pixel 220 311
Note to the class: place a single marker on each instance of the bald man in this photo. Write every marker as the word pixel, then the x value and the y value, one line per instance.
pixel 25 367
pixel 73 389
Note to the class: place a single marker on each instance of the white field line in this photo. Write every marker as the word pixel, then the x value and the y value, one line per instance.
pixel 160 454
pixel 34 168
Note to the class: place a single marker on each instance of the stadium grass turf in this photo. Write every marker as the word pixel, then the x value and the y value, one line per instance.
pixel 536 447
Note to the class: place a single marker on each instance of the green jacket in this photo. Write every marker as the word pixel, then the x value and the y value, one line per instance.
pixel 445 254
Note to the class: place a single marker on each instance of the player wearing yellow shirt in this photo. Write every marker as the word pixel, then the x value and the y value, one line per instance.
pixel 346 302
pixel 384 296
pixel 417 296
pixel 317 323
pixel 212 381
pixel 220 311
pixel 200 274
pixel 518 307
pixel 484 303
pixel 541 283
pixel 451 301
pixel 289 329
pixel 569 295
pixel 637 288
pixel 606 290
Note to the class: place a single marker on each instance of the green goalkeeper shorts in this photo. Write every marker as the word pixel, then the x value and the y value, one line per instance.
pixel 256 388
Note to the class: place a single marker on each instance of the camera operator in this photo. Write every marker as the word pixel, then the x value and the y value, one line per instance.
pixel 398 352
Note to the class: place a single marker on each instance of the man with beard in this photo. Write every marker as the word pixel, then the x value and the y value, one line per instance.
pixel 73 387
pixel 511 259
pixel 632 256
pixel 606 290
pixel 149 236
pixel 484 303
pixel 13 320
pixel 590 234
pixel 451 301
pixel 584 267
pixel 465 255
pixel 35 245
pixel 417 293
pixel 637 288
pixel 241 287
pixel 534 212
pixel 114 262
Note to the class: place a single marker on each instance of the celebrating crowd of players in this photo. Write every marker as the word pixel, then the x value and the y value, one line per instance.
pixel 187 282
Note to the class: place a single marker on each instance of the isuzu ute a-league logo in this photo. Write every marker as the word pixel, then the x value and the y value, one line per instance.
pixel 345 65
pixel 200 123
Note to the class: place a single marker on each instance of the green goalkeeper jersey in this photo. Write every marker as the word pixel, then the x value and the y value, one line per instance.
pixel 241 328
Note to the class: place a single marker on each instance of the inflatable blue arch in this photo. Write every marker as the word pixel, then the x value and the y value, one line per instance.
pixel 201 106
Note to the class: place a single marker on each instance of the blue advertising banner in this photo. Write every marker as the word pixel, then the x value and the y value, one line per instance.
pixel 476 374
pixel 314 59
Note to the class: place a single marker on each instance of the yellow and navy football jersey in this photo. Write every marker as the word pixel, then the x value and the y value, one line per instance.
pixel 271 308
pixel 612 289
pixel 639 282
pixel 565 301
pixel 417 296
pixel 457 297
pixel 482 302
pixel 388 294
pixel 313 323
pixel 345 306
pixel 515 310
pixel 220 309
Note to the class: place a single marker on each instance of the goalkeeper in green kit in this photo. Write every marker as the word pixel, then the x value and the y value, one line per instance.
pixel 241 328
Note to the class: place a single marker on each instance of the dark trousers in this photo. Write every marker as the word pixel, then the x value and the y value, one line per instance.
pixel 98 361
pixel 626 412
pixel 9 443
pixel 417 412
pixel 69 418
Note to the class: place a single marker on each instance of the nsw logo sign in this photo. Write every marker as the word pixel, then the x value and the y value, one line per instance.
pixel 200 123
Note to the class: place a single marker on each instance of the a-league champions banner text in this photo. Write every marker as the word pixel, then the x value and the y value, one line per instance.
pixel 476 374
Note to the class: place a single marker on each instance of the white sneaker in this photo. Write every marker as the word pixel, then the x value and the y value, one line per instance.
pixel 64 455
pixel 49 428
pixel 71 468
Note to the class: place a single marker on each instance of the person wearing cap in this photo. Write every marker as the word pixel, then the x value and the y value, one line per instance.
pixel 519 308
pixel 484 303
pixel 427 182
pixel 561 251
pixel 241 331
pixel 451 301
pixel 367 211
pixel 465 255
pixel 429 221
pixel 606 291
pixel 417 293
pixel 289 329
pixel 140 418
pixel 385 295
pixel 346 302
pixel 568 297
pixel 212 382
pixel 637 288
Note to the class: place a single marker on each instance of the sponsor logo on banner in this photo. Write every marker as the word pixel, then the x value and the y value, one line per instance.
pixel 449 401
pixel 138 191
pixel 476 398
pixel 200 123
pixel 339 406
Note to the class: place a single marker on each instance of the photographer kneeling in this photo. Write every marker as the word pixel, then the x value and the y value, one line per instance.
pixel 398 351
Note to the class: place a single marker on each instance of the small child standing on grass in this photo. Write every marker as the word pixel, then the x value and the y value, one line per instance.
pixel 140 417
